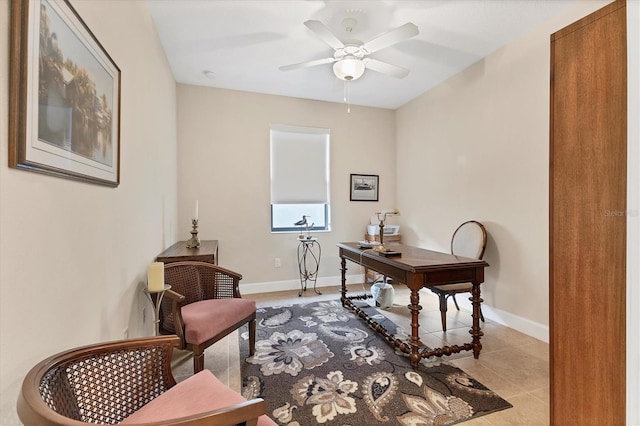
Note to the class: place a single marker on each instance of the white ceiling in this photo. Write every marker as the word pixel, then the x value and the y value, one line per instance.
pixel 244 42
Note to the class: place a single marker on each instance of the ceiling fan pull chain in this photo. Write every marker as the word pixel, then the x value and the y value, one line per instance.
pixel 347 96
pixel 344 92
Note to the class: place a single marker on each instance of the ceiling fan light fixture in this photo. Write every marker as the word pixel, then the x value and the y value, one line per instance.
pixel 349 68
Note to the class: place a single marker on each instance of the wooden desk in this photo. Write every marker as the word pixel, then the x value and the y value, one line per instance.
pixel 207 252
pixel 417 268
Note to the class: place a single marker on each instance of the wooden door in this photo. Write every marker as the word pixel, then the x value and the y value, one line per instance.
pixel 587 263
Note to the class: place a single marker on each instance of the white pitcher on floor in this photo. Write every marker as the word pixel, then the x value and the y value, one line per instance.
pixel 383 294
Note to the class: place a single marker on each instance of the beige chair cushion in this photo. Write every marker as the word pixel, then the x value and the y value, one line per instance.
pixel 199 393
pixel 207 318
pixel 454 287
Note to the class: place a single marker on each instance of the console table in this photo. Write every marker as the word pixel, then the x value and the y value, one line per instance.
pixel 207 252
pixel 417 268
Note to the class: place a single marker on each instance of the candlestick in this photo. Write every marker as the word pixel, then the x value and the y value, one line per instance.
pixel 194 242
pixel 196 215
pixel 155 276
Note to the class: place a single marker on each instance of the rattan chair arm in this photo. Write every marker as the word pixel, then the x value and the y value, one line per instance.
pixel 236 289
pixel 177 302
pixel 175 297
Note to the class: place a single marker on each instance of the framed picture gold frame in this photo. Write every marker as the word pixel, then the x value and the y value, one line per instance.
pixel 64 95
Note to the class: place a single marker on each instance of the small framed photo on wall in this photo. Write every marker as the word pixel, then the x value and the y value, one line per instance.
pixel 364 187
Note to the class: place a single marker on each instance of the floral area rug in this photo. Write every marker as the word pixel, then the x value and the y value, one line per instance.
pixel 318 363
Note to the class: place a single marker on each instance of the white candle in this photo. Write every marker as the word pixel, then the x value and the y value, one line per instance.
pixel 196 217
pixel 155 276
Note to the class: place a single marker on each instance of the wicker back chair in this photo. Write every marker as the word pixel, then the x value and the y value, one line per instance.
pixel 107 382
pixel 203 306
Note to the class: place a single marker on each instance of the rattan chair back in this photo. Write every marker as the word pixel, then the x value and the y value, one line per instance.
pixel 100 384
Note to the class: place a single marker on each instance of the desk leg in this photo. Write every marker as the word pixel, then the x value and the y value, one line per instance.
pixel 415 308
pixel 476 333
pixel 343 280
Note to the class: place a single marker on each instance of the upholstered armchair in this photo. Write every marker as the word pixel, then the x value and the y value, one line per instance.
pixel 203 306
pixel 468 240
pixel 129 382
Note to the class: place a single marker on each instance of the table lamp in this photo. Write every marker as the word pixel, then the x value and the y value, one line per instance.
pixel 382 216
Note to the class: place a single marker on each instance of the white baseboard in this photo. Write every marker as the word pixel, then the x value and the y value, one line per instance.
pixel 523 325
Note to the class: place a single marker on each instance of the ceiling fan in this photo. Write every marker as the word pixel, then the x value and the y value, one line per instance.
pixel 352 58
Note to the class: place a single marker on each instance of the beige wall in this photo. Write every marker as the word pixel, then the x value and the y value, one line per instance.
pixel 476 147
pixel 223 161
pixel 72 255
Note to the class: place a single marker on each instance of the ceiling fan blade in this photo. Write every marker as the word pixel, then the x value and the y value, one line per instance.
pixel 307 64
pixel 324 33
pixel 392 37
pixel 385 68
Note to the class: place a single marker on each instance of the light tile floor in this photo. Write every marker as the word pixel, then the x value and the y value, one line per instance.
pixel 512 364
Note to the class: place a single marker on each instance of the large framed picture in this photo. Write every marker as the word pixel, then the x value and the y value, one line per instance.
pixel 64 97
pixel 364 187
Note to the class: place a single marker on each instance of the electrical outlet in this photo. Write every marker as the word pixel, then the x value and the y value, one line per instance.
pixel 125 333
pixel 277 263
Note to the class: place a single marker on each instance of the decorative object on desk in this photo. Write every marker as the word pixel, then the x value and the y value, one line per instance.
pixel 373 228
pixel 367 244
pixel 309 253
pixel 194 242
pixel 64 103
pixel 304 222
pixel 155 277
pixel 317 363
pixel 364 187
pixel 382 216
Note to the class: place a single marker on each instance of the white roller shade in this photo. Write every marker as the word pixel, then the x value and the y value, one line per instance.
pixel 299 165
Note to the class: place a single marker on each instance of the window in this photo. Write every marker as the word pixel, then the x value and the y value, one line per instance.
pixel 299 178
